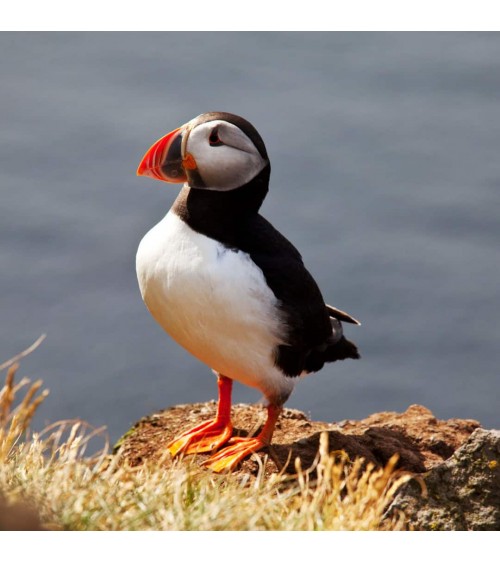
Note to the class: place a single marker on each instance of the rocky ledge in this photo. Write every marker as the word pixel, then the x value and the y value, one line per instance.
pixel 456 462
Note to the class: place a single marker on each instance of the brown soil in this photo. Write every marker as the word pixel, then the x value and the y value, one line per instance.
pixel 421 440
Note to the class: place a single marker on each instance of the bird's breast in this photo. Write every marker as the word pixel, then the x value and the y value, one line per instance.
pixel 212 300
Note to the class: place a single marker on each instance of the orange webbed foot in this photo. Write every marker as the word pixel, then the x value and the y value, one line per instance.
pixel 239 448
pixel 205 437
pixel 230 456
pixel 211 435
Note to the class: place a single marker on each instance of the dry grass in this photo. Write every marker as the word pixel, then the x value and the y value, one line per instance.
pixel 73 492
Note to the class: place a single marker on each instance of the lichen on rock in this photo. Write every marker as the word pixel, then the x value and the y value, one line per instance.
pixel 463 493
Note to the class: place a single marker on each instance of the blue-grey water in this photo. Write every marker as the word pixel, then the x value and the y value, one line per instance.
pixel 385 151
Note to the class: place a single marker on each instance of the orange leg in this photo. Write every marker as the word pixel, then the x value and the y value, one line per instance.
pixel 212 434
pixel 239 448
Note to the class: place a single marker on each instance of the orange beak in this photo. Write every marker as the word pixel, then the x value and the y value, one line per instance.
pixel 163 161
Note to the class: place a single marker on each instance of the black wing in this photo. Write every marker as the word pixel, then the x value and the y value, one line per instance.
pixel 314 331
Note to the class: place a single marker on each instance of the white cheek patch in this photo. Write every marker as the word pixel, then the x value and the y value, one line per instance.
pixel 228 166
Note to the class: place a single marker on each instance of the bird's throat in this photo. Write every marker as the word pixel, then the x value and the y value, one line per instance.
pixel 221 214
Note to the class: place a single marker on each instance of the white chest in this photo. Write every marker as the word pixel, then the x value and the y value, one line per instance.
pixel 211 300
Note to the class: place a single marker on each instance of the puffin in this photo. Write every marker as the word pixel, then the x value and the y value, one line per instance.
pixel 229 287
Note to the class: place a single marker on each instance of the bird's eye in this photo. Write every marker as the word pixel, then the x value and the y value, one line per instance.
pixel 214 138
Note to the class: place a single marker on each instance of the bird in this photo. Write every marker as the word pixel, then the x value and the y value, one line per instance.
pixel 229 287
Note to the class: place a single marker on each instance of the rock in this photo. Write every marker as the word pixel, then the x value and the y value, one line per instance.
pixel 455 460
pixel 421 440
pixel 463 493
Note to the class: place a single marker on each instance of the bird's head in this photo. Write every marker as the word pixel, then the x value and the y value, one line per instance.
pixel 214 151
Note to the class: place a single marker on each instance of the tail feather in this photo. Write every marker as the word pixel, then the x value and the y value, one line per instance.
pixel 341 350
pixel 335 313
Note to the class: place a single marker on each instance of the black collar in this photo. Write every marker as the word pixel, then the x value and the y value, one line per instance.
pixel 221 215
